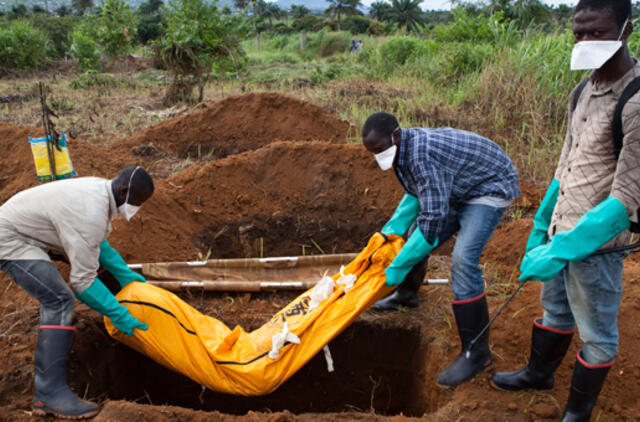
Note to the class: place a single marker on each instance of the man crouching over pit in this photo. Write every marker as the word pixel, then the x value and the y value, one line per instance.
pixel 72 217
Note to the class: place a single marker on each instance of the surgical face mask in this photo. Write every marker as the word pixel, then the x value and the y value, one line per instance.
pixel 594 54
pixel 127 210
pixel 386 157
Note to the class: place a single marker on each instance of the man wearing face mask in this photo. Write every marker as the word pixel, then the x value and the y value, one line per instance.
pixel 71 217
pixel 455 182
pixel 590 204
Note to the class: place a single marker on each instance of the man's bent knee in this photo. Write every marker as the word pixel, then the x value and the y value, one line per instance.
pixel 60 311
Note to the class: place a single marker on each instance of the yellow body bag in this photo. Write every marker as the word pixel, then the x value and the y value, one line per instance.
pixel 63 167
pixel 234 361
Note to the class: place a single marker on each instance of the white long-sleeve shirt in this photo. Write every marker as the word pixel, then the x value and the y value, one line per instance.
pixel 69 216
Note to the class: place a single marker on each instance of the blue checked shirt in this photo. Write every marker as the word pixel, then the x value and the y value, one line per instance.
pixel 445 168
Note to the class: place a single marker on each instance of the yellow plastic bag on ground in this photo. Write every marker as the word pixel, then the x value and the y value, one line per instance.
pixel 236 362
pixel 63 167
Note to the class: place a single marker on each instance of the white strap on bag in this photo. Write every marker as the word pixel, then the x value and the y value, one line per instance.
pixel 321 291
pixel 347 280
pixel 279 339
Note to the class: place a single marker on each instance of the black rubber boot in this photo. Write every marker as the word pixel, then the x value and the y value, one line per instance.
pixel 548 347
pixel 471 317
pixel 585 387
pixel 52 394
pixel 406 294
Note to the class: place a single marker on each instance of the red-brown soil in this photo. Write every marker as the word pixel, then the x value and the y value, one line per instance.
pixel 286 178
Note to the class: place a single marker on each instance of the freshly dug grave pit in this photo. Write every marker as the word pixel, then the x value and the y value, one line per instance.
pixel 379 366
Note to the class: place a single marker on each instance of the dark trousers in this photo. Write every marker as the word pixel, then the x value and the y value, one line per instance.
pixel 43 282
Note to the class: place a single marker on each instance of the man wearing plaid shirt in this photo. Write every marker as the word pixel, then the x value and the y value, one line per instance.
pixel 592 200
pixel 455 182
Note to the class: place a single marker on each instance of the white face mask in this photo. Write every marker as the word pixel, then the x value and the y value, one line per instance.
pixel 386 157
pixel 594 54
pixel 127 210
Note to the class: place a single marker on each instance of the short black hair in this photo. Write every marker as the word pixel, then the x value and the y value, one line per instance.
pixel 621 9
pixel 382 123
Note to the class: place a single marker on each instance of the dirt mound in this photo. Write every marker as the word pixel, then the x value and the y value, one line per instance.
pixel 241 123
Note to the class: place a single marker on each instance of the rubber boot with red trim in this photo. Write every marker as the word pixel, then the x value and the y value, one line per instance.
pixel 471 317
pixel 406 294
pixel 52 394
pixel 585 387
pixel 548 347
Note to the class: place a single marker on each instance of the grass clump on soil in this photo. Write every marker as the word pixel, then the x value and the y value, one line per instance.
pixel 91 78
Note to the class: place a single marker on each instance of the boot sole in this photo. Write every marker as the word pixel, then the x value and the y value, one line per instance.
pixel 448 387
pixel 497 387
pixel 41 412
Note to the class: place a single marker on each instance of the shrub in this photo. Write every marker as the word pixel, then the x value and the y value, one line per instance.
pixel 85 50
pixel 319 76
pixel 57 30
pixel 376 28
pixel 200 41
pixel 307 23
pixel 462 58
pixel 151 27
pixel 397 51
pixel 22 46
pixel 282 29
pixel 465 27
pixel 355 24
pixel 324 44
pixel 92 78
pixel 117 26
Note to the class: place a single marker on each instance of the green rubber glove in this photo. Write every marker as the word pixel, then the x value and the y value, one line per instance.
pixel 403 217
pixel 539 236
pixel 99 298
pixel 414 251
pixel 598 226
pixel 111 260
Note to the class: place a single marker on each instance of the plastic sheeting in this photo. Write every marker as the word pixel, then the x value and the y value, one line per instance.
pixel 236 362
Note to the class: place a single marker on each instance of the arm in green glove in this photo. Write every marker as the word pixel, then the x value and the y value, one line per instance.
pixel 598 226
pixel 111 260
pixel 538 236
pixel 414 251
pixel 99 298
pixel 406 213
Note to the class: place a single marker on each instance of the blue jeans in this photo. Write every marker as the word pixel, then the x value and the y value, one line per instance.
pixel 43 282
pixel 587 293
pixel 474 224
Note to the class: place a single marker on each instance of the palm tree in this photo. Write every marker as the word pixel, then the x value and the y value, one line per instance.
pixel 240 5
pixel 379 10
pixel 81 6
pixel 299 11
pixel 338 8
pixel 150 7
pixel 63 10
pixel 528 12
pixel 407 14
pixel 271 11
